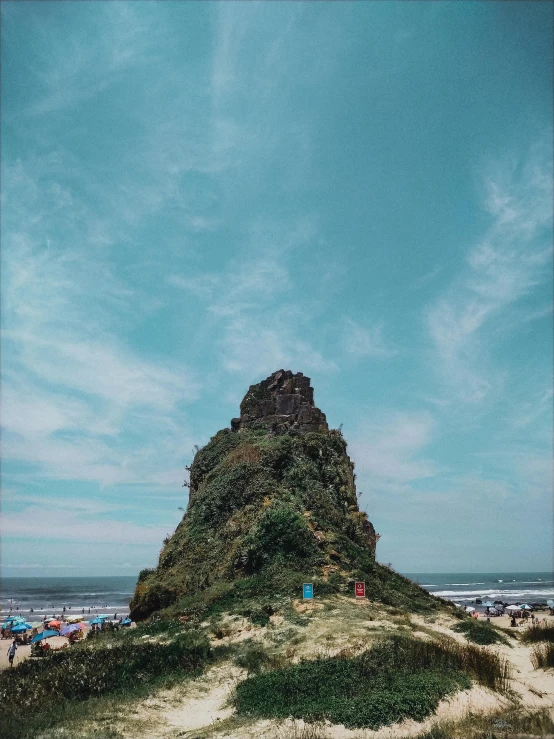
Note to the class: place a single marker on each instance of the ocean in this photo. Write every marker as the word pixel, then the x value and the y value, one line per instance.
pixel 47 595
pixel 509 587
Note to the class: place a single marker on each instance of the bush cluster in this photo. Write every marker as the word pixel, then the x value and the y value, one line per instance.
pixel 41 688
pixel 398 678
pixel 480 632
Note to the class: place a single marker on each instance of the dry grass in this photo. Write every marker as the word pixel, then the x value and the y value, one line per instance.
pixel 514 723
pixel 542 656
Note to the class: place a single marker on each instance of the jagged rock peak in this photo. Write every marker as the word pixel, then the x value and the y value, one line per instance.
pixel 281 402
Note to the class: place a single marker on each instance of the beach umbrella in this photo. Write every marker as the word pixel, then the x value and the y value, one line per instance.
pixel 513 608
pixel 13 620
pixel 54 624
pixel 526 607
pixel 470 609
pixel 102 615
pixel 36 624
pixel 488 604
pixel 71 628
pixel 74 619
pixel 97 620
pixel 44 635
pixel 126 622
pixel 20 628
pixel 550 603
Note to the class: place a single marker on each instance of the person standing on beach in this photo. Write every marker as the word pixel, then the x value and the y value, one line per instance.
pixel 11 652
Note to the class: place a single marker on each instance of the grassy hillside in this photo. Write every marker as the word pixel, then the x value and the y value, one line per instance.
pixel 266 512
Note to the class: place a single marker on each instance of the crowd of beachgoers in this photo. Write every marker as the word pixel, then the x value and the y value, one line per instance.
pixel 32 632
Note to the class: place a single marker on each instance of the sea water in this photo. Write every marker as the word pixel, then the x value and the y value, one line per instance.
pixel 52 594
pixel 509 587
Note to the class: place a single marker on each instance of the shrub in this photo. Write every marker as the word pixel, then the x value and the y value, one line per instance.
pixel 252 657
pixel 338 690
pixel 398 678
pixel 207 458
pixel 480 632
pixel 86 671
pixel 280 532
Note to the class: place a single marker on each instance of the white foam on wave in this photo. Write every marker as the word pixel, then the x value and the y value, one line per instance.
pixel 493 593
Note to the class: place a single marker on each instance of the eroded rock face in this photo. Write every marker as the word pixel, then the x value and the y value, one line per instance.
pixel 281 402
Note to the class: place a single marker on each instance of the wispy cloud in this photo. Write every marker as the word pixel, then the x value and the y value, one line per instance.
pixel 507 263
pixel 70 381
pixel 387 453
pixel 426 279
pixel 367 341
pixel 76 70
pixel 29 524
pixel 529 412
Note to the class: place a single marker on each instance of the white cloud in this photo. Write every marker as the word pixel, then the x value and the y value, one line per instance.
pixel 425 279
pixel 30 524
pixel 254 347
pixel 86 62
pixel 530 412
pixel 70 380
pixel 367 341
pixel 507 264
pixel 387 452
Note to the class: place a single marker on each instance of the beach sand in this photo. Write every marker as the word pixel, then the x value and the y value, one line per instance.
pixel 24 651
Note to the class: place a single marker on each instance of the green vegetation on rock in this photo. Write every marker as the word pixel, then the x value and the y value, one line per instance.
pixel 271 505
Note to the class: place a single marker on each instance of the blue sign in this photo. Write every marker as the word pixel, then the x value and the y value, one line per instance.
pixel 308 590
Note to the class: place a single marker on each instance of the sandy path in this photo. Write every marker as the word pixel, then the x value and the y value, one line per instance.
pixel 192 706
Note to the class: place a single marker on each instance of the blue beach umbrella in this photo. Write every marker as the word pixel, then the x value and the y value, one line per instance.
pixel 102 615
pixel 20 628
pixel 488 604
pixel 550 603
pixel 97 620
pixel 13 620
pixel 44 635
pixel 526 607
pixel 126 622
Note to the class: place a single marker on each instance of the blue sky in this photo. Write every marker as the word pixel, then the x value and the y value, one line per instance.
pixel 195 195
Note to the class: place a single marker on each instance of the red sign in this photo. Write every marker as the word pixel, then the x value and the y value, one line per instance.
pixel 360 590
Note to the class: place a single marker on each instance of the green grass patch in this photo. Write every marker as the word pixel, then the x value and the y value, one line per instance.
pixel 480 632
pixel 391 588
pixel 397 678
pixel 38 694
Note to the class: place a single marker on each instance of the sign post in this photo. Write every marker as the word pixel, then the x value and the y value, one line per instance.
pixel 359 589
pixel 308 590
